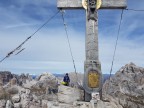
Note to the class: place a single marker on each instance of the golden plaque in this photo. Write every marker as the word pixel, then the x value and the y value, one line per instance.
pixel 93 79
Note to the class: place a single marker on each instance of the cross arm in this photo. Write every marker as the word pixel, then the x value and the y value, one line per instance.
pixel 106 4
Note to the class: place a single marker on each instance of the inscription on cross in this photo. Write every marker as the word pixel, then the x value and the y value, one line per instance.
pixel 92 67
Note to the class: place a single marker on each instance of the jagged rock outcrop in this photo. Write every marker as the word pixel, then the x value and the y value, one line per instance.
pixel 46 84
pixel 9 104
pixel 126 87
pixel 2 103
pixel 21 79
pixel 5 76
pixel 124 90
pixel 16 98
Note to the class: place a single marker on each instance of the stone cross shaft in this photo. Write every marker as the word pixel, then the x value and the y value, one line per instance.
pixel 92 69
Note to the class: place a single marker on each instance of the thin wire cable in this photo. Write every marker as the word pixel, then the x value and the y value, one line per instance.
pixel 20 51
pixel 65 26
pixel 135 9
pixel 19 47
pixel 116 44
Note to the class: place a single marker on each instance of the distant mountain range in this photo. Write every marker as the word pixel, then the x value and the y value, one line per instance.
pixel 6 76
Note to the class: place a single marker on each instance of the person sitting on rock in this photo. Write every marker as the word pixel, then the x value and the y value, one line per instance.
pixel 66 79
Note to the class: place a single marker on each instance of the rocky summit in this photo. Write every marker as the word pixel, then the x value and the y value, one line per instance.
pixel 125 89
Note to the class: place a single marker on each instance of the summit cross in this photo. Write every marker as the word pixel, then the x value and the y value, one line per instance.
pixel 92 67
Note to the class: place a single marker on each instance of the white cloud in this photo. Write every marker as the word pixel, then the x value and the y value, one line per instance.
pixel 127 51
pixel 48 50
pixel 46 46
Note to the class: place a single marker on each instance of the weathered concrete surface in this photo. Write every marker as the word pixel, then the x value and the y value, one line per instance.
pixel 91 39
pixel 92 56
pixel 106 4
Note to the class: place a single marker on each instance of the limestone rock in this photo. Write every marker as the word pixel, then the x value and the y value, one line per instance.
pixel 9 104
pixel 13 81
pixel 28 84
pixel 22 79
pixel 22 90
pixel 50 97
pixel 2 103
pixel 46 76
pixel 44 103
pixel 46 84
pixel 49 104
pixel 2 93
pixel 73 79
pixel 5 76
pixel 27 96
pixel 52 104
pixel 34 103
pixel 126 87
pixel 17 105
pixel 34 106
pixel 25 104
pixel 69 95
pixel 26 99
pixel 80 104
pixel 16 98
pixel 13 90
pixel 102 104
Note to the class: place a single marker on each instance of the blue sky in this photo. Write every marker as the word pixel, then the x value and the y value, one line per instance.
pixel 48 50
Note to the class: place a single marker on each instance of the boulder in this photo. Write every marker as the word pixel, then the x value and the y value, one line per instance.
pixel 26 99
pixel 17 105
pixel 13 81
pixel 2 93
pixel 5 76
pixel 102 104
pixel 25 104
pixel 46 76
pixel 13 90
pixel 16 98
pixel 9 104
pixel 126 87
pixel 44 103
pixel 69 95
pixel 2 103
pixel 28 84
pixel 46 84
pixel 34 105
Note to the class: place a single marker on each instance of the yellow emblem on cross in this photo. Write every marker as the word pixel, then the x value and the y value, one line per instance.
pixel 98 5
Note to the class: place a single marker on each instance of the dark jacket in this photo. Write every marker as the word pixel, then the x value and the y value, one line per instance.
pixel 66 78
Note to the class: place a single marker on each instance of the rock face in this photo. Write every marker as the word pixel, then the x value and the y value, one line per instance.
pixel 2 103
pixel 13 81
pixel 5 76
pixel 69 95
pixel 16 98
pixel 126 87
pixel 46 84
pixel 3 94
pixel 124 90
